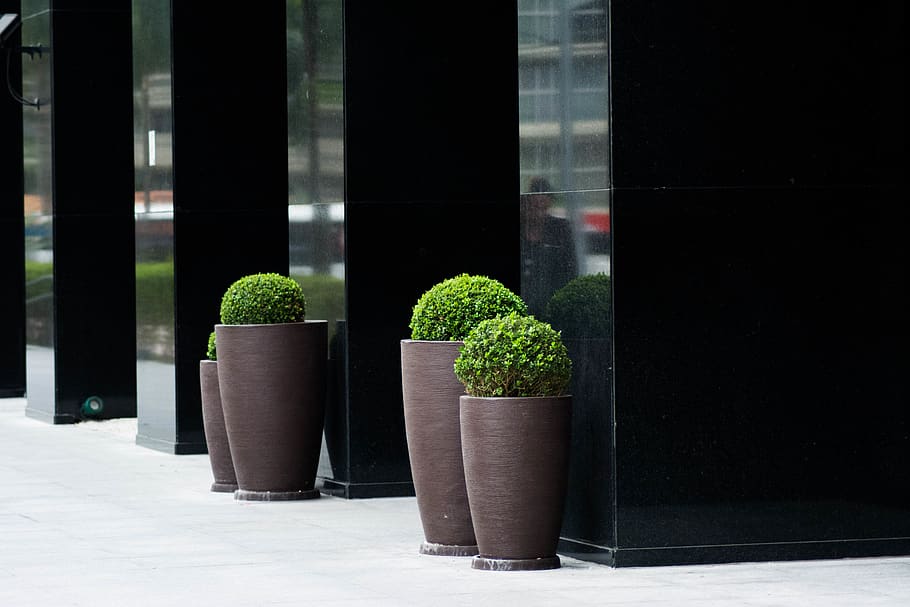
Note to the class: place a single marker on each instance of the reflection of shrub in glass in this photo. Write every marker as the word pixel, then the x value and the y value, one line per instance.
pixel 582 307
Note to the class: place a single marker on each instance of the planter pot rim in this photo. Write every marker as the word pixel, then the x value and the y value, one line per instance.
pixel 276 324
pixel 432 341
pixel 515 397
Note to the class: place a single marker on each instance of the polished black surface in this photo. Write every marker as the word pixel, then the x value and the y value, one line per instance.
pixel 12 308
pixel 728 94
pixel 81 312
pixel 94 313
pixel 426 117
pixel 757 226
pixel 12 243
pixel 201 281
pixel 382 289
pixel 214 202
pixel 759 396
pixel 430 178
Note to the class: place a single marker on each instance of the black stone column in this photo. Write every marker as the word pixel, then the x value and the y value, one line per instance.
pixel 431 177
pixel 12 243
pixel 230 217
pixel 759 213
pixel 92 316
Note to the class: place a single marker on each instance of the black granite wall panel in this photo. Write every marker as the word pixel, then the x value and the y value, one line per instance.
pixel 12 240
pixel 759 282
pixel 430 173
pixel 229 193
pixel 730 94
pixel 93 245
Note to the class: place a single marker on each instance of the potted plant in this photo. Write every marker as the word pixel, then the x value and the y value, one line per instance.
pixel 272 374
pixel 213 422
pixel 515 428
pixel 442 317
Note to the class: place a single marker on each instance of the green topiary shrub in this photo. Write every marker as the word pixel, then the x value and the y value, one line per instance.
pixel 210 351
pixel 450 309
pixel 582 307
pixel 513 356
pixel 260 299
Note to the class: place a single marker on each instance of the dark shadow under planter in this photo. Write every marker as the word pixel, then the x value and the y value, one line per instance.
pixel 431 391
pixel 516 457
pixel 215 433
pixel 273 391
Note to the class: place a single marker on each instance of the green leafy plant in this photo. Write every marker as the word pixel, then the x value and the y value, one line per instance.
pixel 450 309
pixel 513 356
pixel 259 299
pixel 210 351
pixel 582 307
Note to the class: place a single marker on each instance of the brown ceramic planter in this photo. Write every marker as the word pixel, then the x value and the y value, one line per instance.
pixel 273 387
pixel 516 456
pixel 215 434
pixel 431 390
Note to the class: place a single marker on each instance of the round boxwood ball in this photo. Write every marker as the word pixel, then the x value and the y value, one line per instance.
pixel 260 299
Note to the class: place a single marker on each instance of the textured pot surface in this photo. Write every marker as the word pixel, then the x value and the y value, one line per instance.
pixel 273 387
pixel 213 424
pixel 430 391
pixel 516 456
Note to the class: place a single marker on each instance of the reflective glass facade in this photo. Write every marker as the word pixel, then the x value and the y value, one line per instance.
pixel 563 99
pixel 39 215
pixel 316 229
pixel 316 154
pixel 154 209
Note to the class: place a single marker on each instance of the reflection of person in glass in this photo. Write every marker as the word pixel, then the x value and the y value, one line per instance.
pixel 547 250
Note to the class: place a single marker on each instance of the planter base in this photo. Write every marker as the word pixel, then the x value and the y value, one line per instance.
pixel 275 496
pixel 224 487
pixel 491 564
pixel 447 550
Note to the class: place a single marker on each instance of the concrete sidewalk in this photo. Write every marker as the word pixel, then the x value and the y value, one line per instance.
pixel 89 518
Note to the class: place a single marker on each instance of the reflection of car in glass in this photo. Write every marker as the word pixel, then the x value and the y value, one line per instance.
pixel 316 238
pixel 596 227
pixel 596 224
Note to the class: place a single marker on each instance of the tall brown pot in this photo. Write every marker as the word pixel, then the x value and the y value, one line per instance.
pixel 213 425
pixel 273 389
pixel 431 393
pixel 516 457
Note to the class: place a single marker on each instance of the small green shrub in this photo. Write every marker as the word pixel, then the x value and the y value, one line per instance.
pixel 450 309
pixel 582 307
pixel 259 299
pixel 513 356
pixel 210 351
